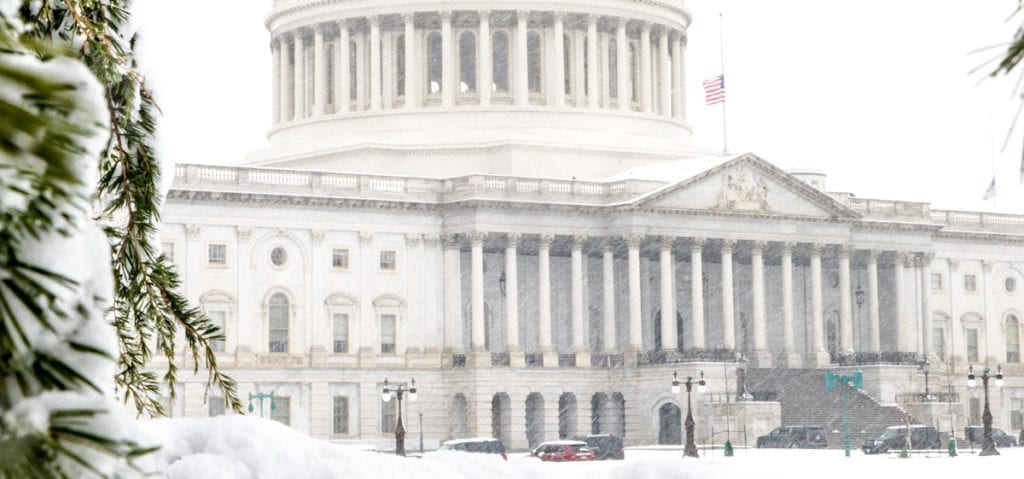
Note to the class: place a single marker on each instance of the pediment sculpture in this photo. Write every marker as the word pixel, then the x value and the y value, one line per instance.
pixel 742 191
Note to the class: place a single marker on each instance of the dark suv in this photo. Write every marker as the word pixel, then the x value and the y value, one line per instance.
pixel 803 437
pixel 895 438
pixel 973 436
pixel 605 446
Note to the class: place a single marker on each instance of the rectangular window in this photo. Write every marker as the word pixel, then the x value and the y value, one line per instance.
pixel 215 406
pixel 217 317
pixel 1012 334
pixel 339 258
pixel 168 249
pixel 218 254
pixel 972 345
pixel 388 417
pixel 282 410
pixel 388 261
pixel 939 342
pixel 1016 414
pixel 936 281
pixel 974 406
pixel 340 332
pixel 970 283
pixel 387 334
pixel 340 414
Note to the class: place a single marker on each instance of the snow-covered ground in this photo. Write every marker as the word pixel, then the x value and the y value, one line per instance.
pixel 240 447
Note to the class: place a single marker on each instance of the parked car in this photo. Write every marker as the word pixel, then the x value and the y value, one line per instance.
pixel 560 451
pixel 895 437
pixel 485 445
pixel 604 446
pixel 974 434
pixel 803 437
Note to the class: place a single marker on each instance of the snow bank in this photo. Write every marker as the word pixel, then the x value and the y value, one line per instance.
pixel 243 447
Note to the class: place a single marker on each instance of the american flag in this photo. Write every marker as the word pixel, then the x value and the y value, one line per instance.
pixel 714 90
pixel 991 191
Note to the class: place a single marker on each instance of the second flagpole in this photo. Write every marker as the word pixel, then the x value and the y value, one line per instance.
pixel 721 53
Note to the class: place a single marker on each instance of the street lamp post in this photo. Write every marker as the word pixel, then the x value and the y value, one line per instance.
pixel 988 447
pixel 691 447
pixel 858 297
pixel 259 397
pixel 856 380
pixel 923 366
pixel 399 427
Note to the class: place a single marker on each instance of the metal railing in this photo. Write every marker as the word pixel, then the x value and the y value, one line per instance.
pixel 884 357
pixel 691 355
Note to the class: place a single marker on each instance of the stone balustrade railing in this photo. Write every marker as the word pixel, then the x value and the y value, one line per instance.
pixel 475 187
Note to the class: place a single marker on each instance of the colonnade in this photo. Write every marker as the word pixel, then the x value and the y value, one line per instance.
pixel 838 256
pixel 478 58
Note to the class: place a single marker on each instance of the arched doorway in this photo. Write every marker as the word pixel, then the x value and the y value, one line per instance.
pixel 670 424
pixel 534 419
pixel 501 418
pixel 599 414
pixel 460 423
pixel 566 415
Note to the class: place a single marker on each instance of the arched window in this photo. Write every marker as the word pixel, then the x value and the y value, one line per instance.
pixel 634 73
pixel 533 61
pixel 613 69
pixel 467 62
pixel 353 87
pixel 499 60
pixel 1012 332
pixel 434 63
pixel 568 73
pixel 331 68
pixel 400 65
pixel 278 312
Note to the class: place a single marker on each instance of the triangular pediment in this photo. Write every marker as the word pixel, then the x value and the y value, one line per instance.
pixel 747 184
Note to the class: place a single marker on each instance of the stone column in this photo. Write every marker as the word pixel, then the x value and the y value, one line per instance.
pixel 874 320
pixel 558 66
pixel 375 79
pixel 635 318
pixel 604 60
pixel 697 291
pixel 728 314
pixel 899 272
pixel 299 103
pixel 623 66
pixel 544 300
pixel 761 356
pixel 789 358
pixel 516 357
pixel 319 72
pixel 819 355
pixel 669 335
pixel 579 62
pixel 522 89
pixel 592 66
pixel 645 68
pixel 678 82
pixel 285 78
pixel 342 98
pixel 275 79
pixel 452 298
pixel 477 329
pixel 412 58
pixel 664 67
pixel 578 311
pixel 925 263
pixel 449 79
pixel 484 59
pixel 845 304
pixel 360 75
pixel 608 280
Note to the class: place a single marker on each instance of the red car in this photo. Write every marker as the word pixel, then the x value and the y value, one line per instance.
pixel 561 451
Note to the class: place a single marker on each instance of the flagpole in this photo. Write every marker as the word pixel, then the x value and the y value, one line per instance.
pixel 721 59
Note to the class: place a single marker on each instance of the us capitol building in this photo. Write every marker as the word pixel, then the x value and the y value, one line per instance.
pixel 499 199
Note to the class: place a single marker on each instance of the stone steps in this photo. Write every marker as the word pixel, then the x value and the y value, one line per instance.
pixel 805 402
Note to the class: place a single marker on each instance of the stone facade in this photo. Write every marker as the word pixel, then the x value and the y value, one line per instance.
pixel 519 262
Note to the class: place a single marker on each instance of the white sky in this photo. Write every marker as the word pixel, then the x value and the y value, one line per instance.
pixel 875 93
